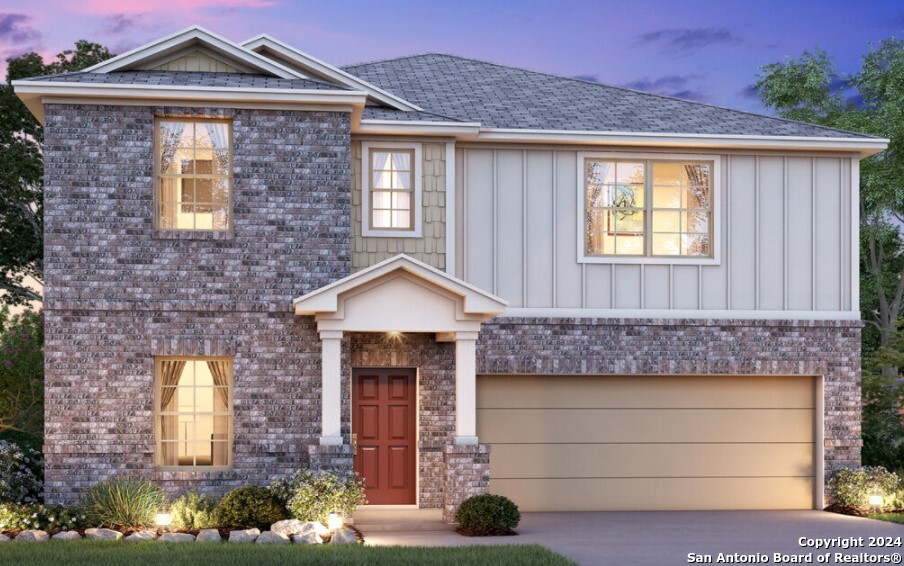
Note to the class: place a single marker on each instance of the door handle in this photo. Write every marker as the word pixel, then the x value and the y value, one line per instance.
pixel 354 444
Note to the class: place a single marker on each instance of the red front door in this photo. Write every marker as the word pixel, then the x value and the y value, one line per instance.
pixel 383 422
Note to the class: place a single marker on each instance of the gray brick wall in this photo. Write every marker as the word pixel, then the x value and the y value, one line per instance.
pixel 117 293
pixel 730 347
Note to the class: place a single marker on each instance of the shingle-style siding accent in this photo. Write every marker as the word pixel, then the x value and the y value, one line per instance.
pixel 431 248
pixel 435 362
pixel 691 347
pixel 118 294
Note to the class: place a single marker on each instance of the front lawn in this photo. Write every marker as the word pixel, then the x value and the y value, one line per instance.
pixel 226 554
pixel 889 517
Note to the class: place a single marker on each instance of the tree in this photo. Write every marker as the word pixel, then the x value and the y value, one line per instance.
pixel 22 374
pixel 808 89
pixel 22 172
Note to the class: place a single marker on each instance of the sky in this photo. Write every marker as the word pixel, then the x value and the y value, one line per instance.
pixel 709 51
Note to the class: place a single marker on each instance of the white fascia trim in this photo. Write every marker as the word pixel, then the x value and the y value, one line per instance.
pixel 306 60
pixel 472 131
pixel 101 90
pixel 680 314
pixel 367 178
pixel 866 146
pixel 212 40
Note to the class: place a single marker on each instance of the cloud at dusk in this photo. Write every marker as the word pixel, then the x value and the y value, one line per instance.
pixel 689 39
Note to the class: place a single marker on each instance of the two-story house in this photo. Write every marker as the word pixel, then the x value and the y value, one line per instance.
pixel 450 275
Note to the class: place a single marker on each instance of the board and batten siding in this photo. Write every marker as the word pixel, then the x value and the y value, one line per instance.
pixel 785 232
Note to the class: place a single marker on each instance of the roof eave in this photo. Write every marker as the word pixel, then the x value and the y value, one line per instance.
pixel 35 93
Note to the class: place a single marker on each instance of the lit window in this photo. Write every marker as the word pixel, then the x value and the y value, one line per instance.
pixel 647 208
pixel 391 189
pixel 194 175
pixel 193 411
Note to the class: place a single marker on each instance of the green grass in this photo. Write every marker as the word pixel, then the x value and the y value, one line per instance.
pixel 888 517
pixel 225 554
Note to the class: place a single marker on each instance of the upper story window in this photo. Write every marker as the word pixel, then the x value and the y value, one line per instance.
pixel 391 189
pixel 647 208
pixel 194 174
pixel 193 412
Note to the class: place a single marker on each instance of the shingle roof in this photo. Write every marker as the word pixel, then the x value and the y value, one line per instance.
pixel 507 97
pixel 187 78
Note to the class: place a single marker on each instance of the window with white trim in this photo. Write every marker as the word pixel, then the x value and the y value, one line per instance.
pixel 193 411
pixel 647 208
pixel 391 189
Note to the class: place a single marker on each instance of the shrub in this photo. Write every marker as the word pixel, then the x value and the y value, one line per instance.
pixel 123 502
pixel 21 470
pixel 851 487
pixel 313 495
pixel 194 511
pixel 15 517
pixel 488 515
pixel 250 506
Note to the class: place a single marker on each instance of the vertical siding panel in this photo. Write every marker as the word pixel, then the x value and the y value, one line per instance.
pixel 771 233
pixel 686 286
pixel 628 284
pixel 509 226
pixel 540 208
pixel 827 253
pixel 599 286
pixel 479 224
pixel 569 273
pixel 656 286
pixel 742 233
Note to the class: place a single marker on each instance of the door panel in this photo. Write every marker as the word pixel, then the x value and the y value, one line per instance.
pixel 384 409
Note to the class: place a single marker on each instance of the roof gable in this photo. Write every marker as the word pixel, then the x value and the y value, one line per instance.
pixel 283 53
pixel 190 41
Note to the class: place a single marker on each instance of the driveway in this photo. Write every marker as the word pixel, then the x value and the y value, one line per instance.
pixel 663 538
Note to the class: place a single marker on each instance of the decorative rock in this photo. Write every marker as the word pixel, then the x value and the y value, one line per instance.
pixel 270 537
pixel 209 535
pixel 102 534
pixel 176 537
pixel 32 536
pixel 247 535
pixel 67 535
pixel 141 536
pixel 296 527
pixel 344 536
pixel 307 538
pixel 4 538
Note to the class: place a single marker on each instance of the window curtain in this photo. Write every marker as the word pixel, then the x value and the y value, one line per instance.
pixel 219 369
pixel 698 182
pixel 170 372
pixel 170 134
pixel 218 132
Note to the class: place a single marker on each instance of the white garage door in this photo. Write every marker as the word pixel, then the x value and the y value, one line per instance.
pixel 586 443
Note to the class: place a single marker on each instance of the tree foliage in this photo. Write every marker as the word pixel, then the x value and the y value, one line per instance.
pixel 22 374
pixel 22 172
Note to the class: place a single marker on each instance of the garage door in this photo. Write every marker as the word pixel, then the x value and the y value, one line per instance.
pixel 563 443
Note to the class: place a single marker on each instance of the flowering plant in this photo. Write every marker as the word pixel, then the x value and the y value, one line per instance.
pixel 15 517
pixel 21 473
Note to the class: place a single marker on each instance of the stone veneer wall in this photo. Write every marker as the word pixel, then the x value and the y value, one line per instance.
pixel 117 293
pixel 638 346
pixel 431 248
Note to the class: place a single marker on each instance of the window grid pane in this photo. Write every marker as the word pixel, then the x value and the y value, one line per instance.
pixel 665 213
pixel 195 175
pixel 391 189
pixel 194 412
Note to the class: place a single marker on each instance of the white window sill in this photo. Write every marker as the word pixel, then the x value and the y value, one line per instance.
pixel 633 260
pixel 368 233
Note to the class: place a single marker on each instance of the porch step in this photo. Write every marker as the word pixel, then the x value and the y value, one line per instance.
pixel 384 520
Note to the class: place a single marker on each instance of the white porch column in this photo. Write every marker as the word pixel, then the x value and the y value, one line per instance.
pixel 331 395
pixel 466 388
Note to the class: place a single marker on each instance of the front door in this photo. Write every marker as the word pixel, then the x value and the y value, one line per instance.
pixel 384 433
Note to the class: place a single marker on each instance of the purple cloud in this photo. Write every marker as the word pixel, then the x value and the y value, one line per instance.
pixel 14 28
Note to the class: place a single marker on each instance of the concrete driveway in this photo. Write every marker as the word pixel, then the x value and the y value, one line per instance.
pixel 663 538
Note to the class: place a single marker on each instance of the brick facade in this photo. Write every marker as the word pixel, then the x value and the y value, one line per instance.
pixel 674 347
pixel 118 293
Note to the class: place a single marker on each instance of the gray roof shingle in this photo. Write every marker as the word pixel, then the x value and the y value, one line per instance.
pixel 507 97
pixel 188 78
